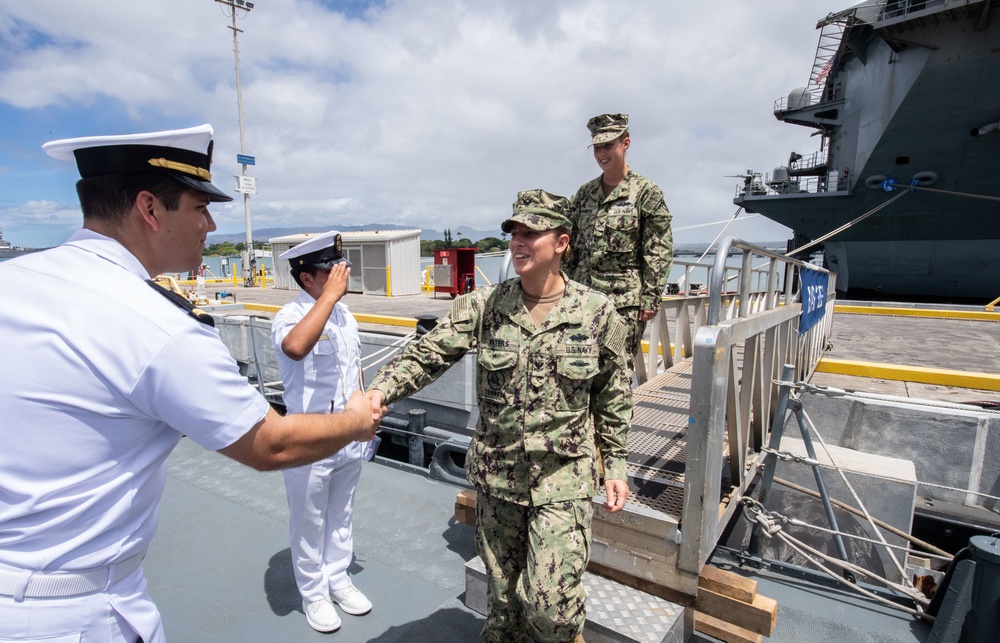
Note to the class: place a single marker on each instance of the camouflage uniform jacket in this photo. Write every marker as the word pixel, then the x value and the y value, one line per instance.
pixel 541 390
pixel 622 245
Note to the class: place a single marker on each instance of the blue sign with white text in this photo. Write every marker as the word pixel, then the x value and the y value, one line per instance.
pixel 243 159
pixel 814 284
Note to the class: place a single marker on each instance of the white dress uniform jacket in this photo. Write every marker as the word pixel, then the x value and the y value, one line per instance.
pixel 102 376
pixel 321 495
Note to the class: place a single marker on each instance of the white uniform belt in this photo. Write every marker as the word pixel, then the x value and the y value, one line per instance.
pixel 26 583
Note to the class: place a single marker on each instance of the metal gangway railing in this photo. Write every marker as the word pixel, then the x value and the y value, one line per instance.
pixel 751 329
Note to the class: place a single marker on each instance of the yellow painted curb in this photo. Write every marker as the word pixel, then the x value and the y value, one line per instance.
pixel 916 312
pixel 938 376
pixel 386 320
pixel 383 320
pixel 267 308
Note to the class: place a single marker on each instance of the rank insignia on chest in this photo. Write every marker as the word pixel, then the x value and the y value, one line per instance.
pixel 579 337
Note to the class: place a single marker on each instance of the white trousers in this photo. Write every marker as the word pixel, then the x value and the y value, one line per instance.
pixel 320 503
pixel 122 615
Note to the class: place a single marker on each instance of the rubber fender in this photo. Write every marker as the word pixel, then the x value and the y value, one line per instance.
pixel 874 182
pixel 924 179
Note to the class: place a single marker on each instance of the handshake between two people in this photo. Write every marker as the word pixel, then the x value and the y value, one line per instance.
pixel 370 408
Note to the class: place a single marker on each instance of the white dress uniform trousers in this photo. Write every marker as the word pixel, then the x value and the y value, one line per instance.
pixel 321 495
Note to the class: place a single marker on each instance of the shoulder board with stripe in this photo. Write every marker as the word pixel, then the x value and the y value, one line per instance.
pixel 182 302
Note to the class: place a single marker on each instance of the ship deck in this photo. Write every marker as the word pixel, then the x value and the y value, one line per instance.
pixel 219 568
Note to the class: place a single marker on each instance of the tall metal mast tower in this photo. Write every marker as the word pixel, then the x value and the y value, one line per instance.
pixel 247 185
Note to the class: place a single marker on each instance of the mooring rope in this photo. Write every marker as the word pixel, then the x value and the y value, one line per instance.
pixel 846 225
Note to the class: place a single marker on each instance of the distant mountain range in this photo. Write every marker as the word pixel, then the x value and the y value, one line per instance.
pixel 429 234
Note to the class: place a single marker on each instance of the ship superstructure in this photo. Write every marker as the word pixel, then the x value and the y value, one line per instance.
pixel 902 94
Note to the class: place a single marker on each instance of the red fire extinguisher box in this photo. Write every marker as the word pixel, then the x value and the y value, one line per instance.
pixel 454 271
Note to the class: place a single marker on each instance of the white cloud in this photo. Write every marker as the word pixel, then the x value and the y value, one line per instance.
pixel 433 113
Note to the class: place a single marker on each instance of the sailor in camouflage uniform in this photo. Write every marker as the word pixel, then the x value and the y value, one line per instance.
pixel 622 242
pixel 553 387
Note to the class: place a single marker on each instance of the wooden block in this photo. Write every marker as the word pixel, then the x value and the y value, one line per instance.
pixel 759 616
pixel 727 583
pixel 724 631
pixel 465 515
pixel 466 498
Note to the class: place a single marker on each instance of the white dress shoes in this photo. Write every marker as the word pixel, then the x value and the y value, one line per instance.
pixel 351 600
pixel 321 615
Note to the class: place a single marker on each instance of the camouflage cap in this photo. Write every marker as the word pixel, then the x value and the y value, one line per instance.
pixel 607 127
pixel 540 210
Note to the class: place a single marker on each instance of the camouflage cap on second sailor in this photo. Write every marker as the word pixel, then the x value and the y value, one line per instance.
pixel 540 210
pixel 607 127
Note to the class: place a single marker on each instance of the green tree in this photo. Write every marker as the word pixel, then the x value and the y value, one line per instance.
pixel 427 247
pixel 489 244
pixel 224 249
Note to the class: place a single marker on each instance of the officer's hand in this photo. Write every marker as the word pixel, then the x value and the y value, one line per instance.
pixel 336 283
pixel 646 315
pixel 377 399
pixel 617 493
pixel 359 405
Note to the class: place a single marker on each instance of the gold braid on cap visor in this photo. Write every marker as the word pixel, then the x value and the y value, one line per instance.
pixel 200 172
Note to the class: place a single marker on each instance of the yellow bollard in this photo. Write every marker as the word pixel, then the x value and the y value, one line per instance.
pixel 263 278
pixel 388 281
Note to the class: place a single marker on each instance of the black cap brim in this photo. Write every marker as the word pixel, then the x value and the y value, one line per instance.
pixel 328 265
pixel 214 193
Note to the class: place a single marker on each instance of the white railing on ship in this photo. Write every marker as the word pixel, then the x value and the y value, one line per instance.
pixel 751 331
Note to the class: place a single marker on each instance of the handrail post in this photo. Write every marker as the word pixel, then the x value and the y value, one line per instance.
pixel 773 442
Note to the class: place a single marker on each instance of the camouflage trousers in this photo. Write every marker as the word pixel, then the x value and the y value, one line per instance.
pixel 535 558
pixel 633 339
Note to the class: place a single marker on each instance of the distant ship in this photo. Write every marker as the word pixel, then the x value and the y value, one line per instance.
pixel 902 93
pixel 7 250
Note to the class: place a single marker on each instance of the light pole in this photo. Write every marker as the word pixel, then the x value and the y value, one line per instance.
pixel 246 184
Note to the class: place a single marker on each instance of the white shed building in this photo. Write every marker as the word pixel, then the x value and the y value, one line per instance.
pixel 383 262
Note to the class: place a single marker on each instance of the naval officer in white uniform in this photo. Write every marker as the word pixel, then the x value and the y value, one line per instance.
pixel 103 374
pixel 318 348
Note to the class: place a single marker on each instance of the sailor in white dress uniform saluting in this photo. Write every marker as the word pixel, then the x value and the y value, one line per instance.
pixel 318 348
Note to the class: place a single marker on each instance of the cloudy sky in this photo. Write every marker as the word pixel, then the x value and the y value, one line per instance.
pixel 422 113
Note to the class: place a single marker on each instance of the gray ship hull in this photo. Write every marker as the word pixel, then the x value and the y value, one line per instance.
pixel 906 92
pixel 10 253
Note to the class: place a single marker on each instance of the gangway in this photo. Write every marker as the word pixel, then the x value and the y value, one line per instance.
pixel 699 424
